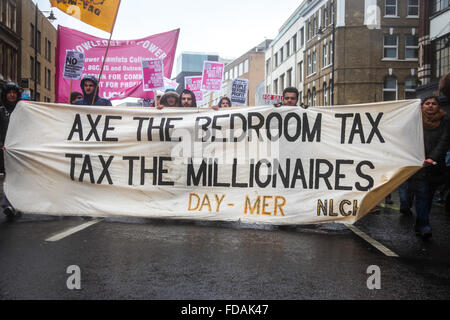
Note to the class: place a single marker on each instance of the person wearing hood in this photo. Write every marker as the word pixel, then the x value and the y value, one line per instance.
pixel 169 99
pixel 11 95
pixel 88 86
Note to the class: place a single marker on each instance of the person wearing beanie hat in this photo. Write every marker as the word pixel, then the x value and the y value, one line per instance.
pixel 169 99
pixel 11 95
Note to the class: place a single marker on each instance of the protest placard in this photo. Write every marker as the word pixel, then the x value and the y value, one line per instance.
pixel 73 66
pixel 212 76
pixel 239 92
pixel 153 74
pixel 269 99
pixel 194 84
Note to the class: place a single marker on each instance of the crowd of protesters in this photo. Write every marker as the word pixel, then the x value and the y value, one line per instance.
pixel 417 192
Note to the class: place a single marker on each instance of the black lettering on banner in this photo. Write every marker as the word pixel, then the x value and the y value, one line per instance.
pixel 357 128
pixel 162 171
pixel 339 176
pixel 243 123
pixel 108 128
pixel 153 171
pixel 77 127
pixel 299 173
pixel 203 127
pixel 364 176
pixel 159 127
pixel 169 126
pixel 297 126
pixel 316 130
pixel 344 117
pixel 325 176
pixel 139 129
pixel 216 127
pixel 262 184
pixel 93 127
pixel 73 158
pixel 105 171
pixel 87 169
pixel 256 127
pixel 234 183
pixel 130 168
pixel 193 177
pixel 279 126
pixel 375 125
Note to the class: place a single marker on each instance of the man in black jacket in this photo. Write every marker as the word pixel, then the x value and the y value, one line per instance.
pixel 89 88
pixel 11 95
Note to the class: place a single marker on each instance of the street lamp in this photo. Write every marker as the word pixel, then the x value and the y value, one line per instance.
pixel 52 18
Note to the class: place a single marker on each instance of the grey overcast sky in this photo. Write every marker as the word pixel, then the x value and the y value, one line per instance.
pixel 227 27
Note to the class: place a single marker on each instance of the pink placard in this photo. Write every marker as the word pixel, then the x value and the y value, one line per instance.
pixel 152 71
pixel 271 99
pixel 212 76
pixel 122 76
pixel 194 84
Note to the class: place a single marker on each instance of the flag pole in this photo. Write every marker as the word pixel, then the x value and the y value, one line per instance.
pixel 106 54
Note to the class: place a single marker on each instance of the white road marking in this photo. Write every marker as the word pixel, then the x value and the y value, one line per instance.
pixel 71 231
pixel 373 242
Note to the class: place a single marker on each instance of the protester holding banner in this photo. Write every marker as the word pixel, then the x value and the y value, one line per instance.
pixel 11 95
pixel 187 99
pixel 425 182
pixel 224 102
pixel 91 95
pixel 75 96
pixel 290 97
pixel 169 99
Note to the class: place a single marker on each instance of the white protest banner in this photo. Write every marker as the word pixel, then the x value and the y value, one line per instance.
pixel 239 92
pixel 194 84
pixel 153 74
pixel 212 76
pixel 73 66
pixel 261 165
pixel 271 99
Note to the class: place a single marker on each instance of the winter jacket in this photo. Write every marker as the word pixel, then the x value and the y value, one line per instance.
pixel 87 99
pixel 437 143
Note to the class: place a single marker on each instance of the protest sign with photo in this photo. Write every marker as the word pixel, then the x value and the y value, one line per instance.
pixel 239 92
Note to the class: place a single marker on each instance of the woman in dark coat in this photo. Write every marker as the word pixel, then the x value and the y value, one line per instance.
pixel 424 183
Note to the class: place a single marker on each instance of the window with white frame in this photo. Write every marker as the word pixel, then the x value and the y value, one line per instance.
pixel 325 16
pixel 325 94
pixel 325 54
pixel 300 71
pixel 413 8
pixel 314 61
pixel 294 43
pixel 391 8
pixel 246 66
pixel 289 78
pixel 412 47
pixel 309 98
pixel 288 49
pixel 313 96
pixel 390 46
pixel 308 58
pixel 302 37
pixel 241 69
pixel 410 87
pixel 390 89
pixel 275 86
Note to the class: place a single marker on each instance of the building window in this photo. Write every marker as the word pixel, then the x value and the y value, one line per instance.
pixel 309 98
pixel 441 56
pixel 302 37
pixel 413 8
pixel 32 34
pixel 325 17
pixel 412 47
pixel 308 61
pixel 275 60
pixel 309 31
pixel 48 50
pixel 48 81
pixel 289 78
pixel 325 54
pixel 300 71
pixel 32 66
pixel 390 47
pixel 246 66
pixel 390 89
pixel 331 92
pixel 38 96
pixel 275 86
pixel 325 94
pixel 282 83
pixel 313 97
pixel 439 5
pixel 410 88
pixel 38 41
pixel 288 49
pixel 241 69
pixel 314 61
pixel 38 72
pixel 294 44
pixel 281 55
pixel 268 66
pixel 391 8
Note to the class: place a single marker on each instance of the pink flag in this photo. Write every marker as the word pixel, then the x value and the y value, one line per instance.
pixel 122 75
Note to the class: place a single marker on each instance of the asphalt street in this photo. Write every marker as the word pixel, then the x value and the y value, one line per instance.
pixel 123 258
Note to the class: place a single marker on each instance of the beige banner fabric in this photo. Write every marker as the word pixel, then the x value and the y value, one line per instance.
pixel 260 165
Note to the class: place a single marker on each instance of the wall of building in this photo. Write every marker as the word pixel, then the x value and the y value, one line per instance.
pixel 10 30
